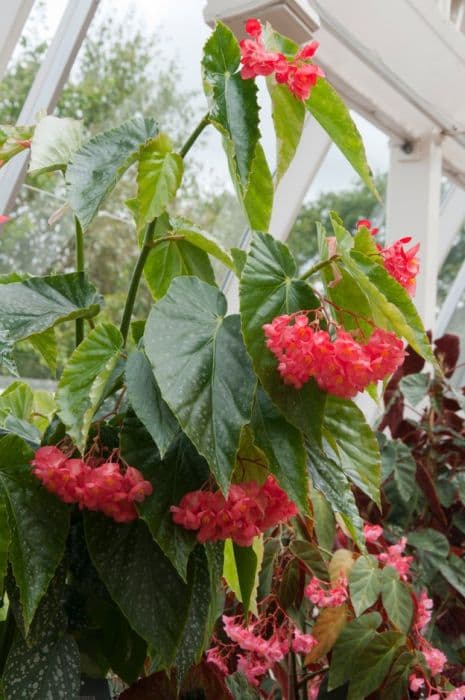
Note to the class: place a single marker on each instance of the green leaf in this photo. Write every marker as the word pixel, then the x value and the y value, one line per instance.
pixel 16 400
pixel 54 143
pixel 396 599
pixel 432 547
pixel 82 384
pixel 398 461
pixel 147 403
pixel 172 258
pixel 283 446
pixel 257 200
pixel 4 537
pixel 453 571
pixel 233 101
pixel 331 112
pixel 46 345
pixel 324 521
pixel 202 369
pixel 310 555
pixel 288 118
pixel 97 166
pixel 181 470
pixel 241 569
pixel 395 686
pixel 328 478
pixel 414 387
pixel 23 429
pixel 200 239
pixel 373 665
pixel 13 140
pixel 159 176
pixel 33 306
pixel 356 444
pixel 38 524
pixel 270 287
pixel 239 687
pixel 141 581
pixel 365 583
pixel 350 646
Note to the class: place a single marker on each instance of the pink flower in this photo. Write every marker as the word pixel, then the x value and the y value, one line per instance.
pixel 253 28
pixel 325 595
pixel 215 657
pixel 457 693
pixel 424 607
pixel 303 643
pixel 435 660
pixel 402 264
pixel 415 682
pixel 372 532
pixel 252 668
pixel 393 557
pixel 366 223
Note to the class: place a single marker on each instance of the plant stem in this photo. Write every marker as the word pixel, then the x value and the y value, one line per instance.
pixel 80 266
pixel 319 266
pixel 194 136
pixel 135 279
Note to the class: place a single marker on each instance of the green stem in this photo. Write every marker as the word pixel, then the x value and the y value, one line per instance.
pixel 80 266
pixel 135 279
pixel 194 136
pixel 320 266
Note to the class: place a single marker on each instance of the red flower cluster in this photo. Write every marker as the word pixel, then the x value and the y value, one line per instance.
pixel 101 488
pixel 325 595
pixel 248 510
pixel 299 74
pixel 402 264
pixel 341 366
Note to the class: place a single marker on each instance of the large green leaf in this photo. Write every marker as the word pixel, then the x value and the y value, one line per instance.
pixel 373 665
pixel 202 369
pixel 233 101
pixel 331 112
pixel 82 384
pixel 350 646
pixel 142 582
pixel 182 470
pixel 356 445
pixel 365 583
pixel 398 461
pixel 288 118
pixel 147 403
pixel 39 303
pixel 159 176
pixel 284 448
pixel 432 548
pixel 397 600
pixel 54 142
pixel 38 525
pixel 270 287
pixel 328 478
pixel 97 166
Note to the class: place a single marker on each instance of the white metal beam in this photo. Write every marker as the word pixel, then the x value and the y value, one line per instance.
pixel 412 209
pixel 451 219
pixel 47 86
pixel 450 303
pixel 14 15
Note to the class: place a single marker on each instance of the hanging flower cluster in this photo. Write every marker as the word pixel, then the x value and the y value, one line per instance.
pixel 339 364
pixel 325 595
pixel 249 510
pixel 400 262
pixel 103 488
pixel 298 73
pixel 258 645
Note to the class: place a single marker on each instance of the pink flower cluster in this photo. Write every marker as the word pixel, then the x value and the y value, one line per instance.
pixel 101 488
pixel 248 510
pixel 393 556
pixel 402 264
pixel 423 612
pixel 299 74
pixel 340 366
pixel 325 595
pixel 254 652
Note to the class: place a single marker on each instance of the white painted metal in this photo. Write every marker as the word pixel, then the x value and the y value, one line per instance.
pixel 290 17
pixel 14 14
pixel 412 208
pixel 450 221
pixel 450 303
pixel 48 84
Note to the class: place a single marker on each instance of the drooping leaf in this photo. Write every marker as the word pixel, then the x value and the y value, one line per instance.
pixel 46 344
pixel 16 400
pixel 159 176
pixel 257 200
pixel 269 287
pixel 202 369
pixel 147 403
pixel 398 461
pixel 283 446
pixel 233 101
pixel 96 168
pixel 356 444
pixel 365 583
pixel 324 521
pixel 328 478
pixel 310 555
pixel 453 571
pixel 396 599
pixel 36 304
pixel 54 142
pixel 38 524
pixel 373 665
pixel 200 239
pixel 414 387
pixel 241 569
pixel 142 582
pixel 288 117
pixel 432 547
pixel 23 429
pixel 350 646
pixel 327 628
pixel 82 384
pixel 331 112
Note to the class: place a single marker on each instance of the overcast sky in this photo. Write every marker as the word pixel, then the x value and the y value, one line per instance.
pixel 184 32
